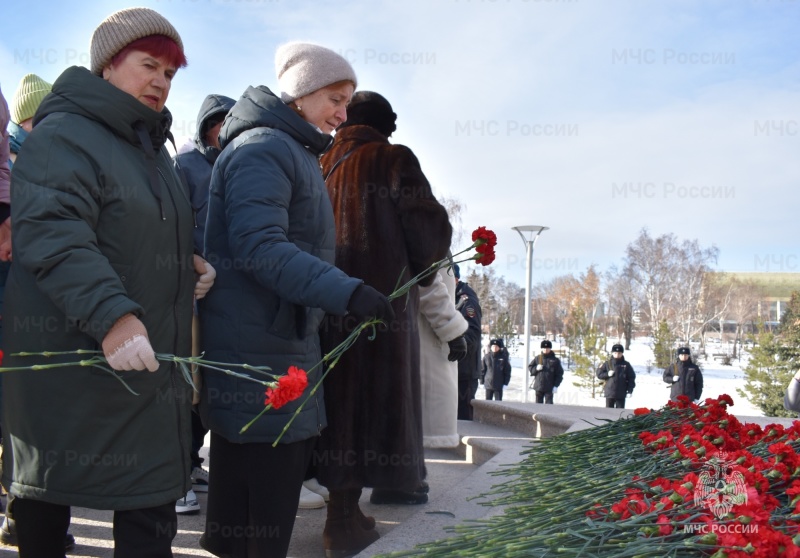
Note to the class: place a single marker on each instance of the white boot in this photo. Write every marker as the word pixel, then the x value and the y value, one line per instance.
pixel 314 486
pixel 310 500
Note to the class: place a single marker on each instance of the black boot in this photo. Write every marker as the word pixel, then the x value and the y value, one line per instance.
pixel 344 534
pixel 400 497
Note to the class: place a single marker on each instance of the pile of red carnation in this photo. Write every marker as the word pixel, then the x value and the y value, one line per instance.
pixel 740 493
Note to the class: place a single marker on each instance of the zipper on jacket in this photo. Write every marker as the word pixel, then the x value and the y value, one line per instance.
pixel 173 368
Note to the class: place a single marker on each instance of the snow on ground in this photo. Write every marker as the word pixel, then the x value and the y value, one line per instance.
pixel 651 391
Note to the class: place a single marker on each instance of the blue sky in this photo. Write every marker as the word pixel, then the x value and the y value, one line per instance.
pixel 593 117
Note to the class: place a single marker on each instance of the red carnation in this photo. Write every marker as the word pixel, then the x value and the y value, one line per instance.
pixel 485 258
pixel 485 235
pixel 290 387
pixel 1 358
pixel 641 411
pixel 725 398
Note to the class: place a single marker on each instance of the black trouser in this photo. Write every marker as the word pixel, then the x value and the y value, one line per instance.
pixel 543 397
pixel 466 393
pixel 42 527
pixel 615 402
pixel 496 394
pixel 253 494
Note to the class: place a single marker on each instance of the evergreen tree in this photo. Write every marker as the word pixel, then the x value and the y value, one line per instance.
pixel 587 361
pixel 662 345
pixel 773 361
pixel 505 329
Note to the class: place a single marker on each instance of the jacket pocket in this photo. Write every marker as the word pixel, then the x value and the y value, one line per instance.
pixel 284 324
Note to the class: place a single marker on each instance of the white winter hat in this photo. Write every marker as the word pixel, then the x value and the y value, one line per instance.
pixel 303 68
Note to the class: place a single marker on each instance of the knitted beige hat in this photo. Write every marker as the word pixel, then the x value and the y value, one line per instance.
pixel 303 68
pixel 29 95
pixel 122 28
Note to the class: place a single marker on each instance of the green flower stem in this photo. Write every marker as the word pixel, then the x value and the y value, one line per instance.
pixel 330 359
pixel 220 367
pixel 258 416
pixel 560 479
pixel 433 268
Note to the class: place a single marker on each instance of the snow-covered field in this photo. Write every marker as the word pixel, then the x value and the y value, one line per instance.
pixel 651 391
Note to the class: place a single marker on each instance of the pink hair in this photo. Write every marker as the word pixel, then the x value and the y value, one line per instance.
pixel 158 46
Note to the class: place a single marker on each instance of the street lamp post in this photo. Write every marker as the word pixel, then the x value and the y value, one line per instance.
pixel 533 232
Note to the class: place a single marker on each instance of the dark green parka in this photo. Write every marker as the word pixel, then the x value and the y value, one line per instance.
pixel 102 227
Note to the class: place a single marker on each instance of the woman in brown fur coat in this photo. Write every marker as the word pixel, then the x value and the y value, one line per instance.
pixel 389 227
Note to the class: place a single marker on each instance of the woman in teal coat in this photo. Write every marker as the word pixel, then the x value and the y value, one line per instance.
pixel 103 261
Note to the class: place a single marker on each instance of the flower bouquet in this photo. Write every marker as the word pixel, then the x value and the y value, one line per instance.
pixel 684 480
pixel 483 242
pixel 280 388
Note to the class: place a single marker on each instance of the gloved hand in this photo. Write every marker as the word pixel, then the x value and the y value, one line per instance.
pixel 675 379
pixel 366 302
pixel 630 393
pixel 126 346
pixel 539 367
pixel 610 373
pixel 458 348
pixel 206 277
pixel 555 390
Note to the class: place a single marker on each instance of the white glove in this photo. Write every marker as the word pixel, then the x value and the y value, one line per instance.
pixel 555 390
pixel 206 277
pixel 610 373
pixel 126 346
pixel 675 378
pixel 539 367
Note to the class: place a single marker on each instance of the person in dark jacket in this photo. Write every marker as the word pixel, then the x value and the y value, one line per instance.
pixel 193 164
pixel 271 231
pixel 684 376
pixel 30 93
pixel 469 367
pixel 389 228
pixel 548 373
pixel 619 377
pixel 495 370
pixel 195 160
pixel 102 262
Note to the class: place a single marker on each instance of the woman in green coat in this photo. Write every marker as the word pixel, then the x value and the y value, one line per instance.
pixel 102 252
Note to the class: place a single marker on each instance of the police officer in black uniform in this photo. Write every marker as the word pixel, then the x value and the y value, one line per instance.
pixel 684 376
pixel 619 376
pixel 548 373
pixel 469 367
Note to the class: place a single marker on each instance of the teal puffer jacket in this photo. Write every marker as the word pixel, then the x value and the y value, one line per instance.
pixel 102 227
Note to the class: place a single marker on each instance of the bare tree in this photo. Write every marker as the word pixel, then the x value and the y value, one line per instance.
pixel 623 301
pixel 743 307
pixel 502 302
pixel 691 282
pixel 650 262
pixel 544 313
pixel 455 210
pixel 670 277
pixel 715 300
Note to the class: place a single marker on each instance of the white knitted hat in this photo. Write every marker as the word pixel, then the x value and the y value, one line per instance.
pixel 303 68
pixel 122 28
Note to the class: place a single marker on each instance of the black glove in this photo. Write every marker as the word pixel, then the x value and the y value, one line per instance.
pixel 366 302
pixel 458 349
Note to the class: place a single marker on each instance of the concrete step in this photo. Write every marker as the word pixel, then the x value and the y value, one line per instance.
pixel 481 441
